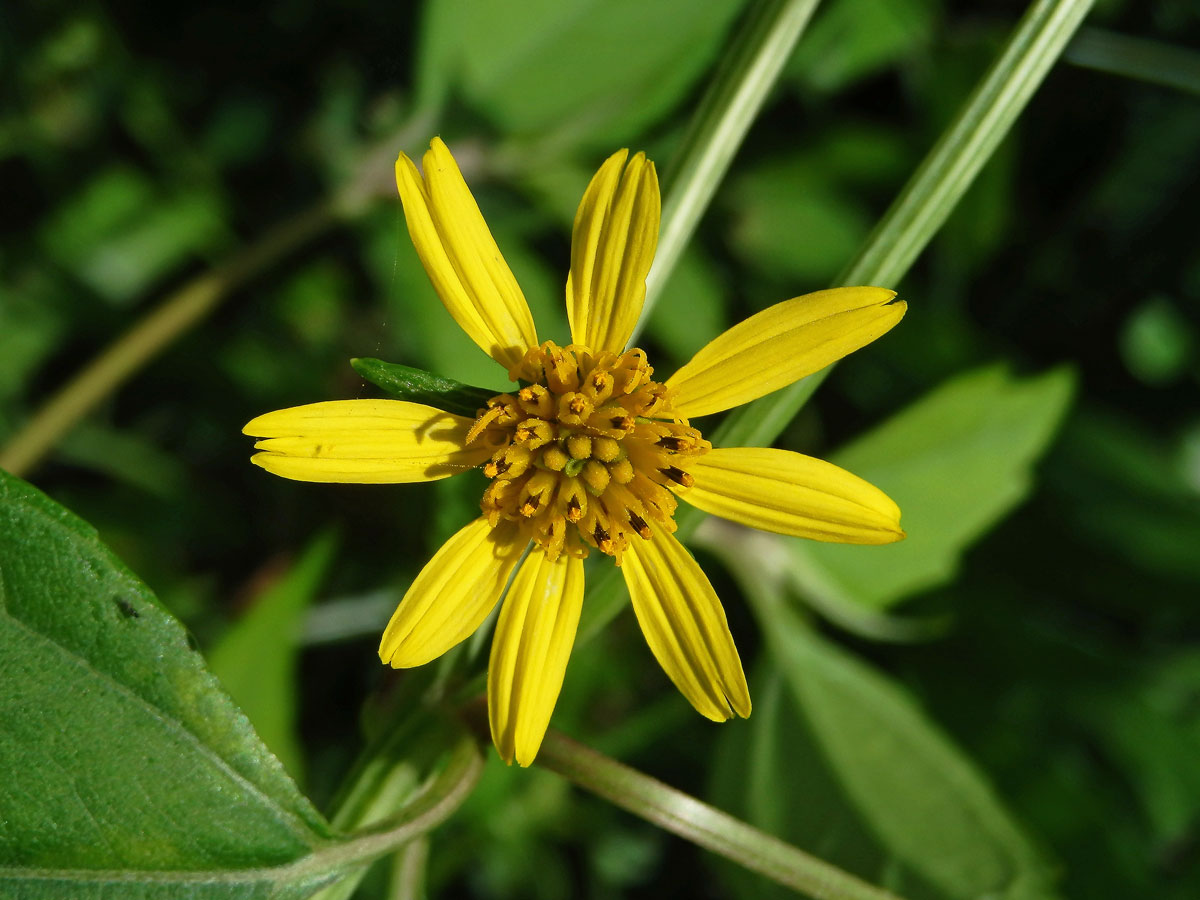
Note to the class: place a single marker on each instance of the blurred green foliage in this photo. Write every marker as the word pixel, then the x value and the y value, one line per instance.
pixel 143 143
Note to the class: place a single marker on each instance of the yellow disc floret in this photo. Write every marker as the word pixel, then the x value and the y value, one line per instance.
pixel 587 450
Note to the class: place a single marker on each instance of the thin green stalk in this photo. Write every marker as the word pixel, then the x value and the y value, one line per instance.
pixel 1142 59
pixel 388 776
pixel 934 189
pixel 748 71
pixel 702 824
pixel 408 871
pixel 963 149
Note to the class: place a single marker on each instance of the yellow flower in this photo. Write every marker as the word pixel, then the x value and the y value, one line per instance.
pixel 590 454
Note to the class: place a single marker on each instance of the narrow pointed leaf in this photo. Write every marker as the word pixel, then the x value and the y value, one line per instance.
pixel 419 386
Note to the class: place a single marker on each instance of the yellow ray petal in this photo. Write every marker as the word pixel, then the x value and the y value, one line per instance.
pixel 365 441
pixel 452 595
pixel 790 493
pixel 534 636
pixel 612 247
pixel 461 257
pixel 685 625
pixel 782 344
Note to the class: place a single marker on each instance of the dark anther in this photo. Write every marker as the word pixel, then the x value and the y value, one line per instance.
pixel 678 476
pixel 639 525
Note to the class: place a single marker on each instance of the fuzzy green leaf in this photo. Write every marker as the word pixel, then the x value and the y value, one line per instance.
pixel 128 771
pixel 599 70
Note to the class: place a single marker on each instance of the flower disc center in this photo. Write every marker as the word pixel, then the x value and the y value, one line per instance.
pixel 587 450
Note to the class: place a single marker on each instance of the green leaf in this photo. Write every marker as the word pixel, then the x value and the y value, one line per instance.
pixel 956 462
pixel 604 69
pixel 313 302
pixel 1152 739
pixel 799 215
pixel 438 55
pixel 772 773
pixel 126 456
pixel 126 264
pixel 853 39
pixel 256 659
pixel 917 791
pixel 129 772
pixel 900 784
pixel 420 386
pixel 1123 491
pixel 30 328
pixel 104 205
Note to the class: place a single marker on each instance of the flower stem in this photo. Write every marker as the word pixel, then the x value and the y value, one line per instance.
pixel 702 824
